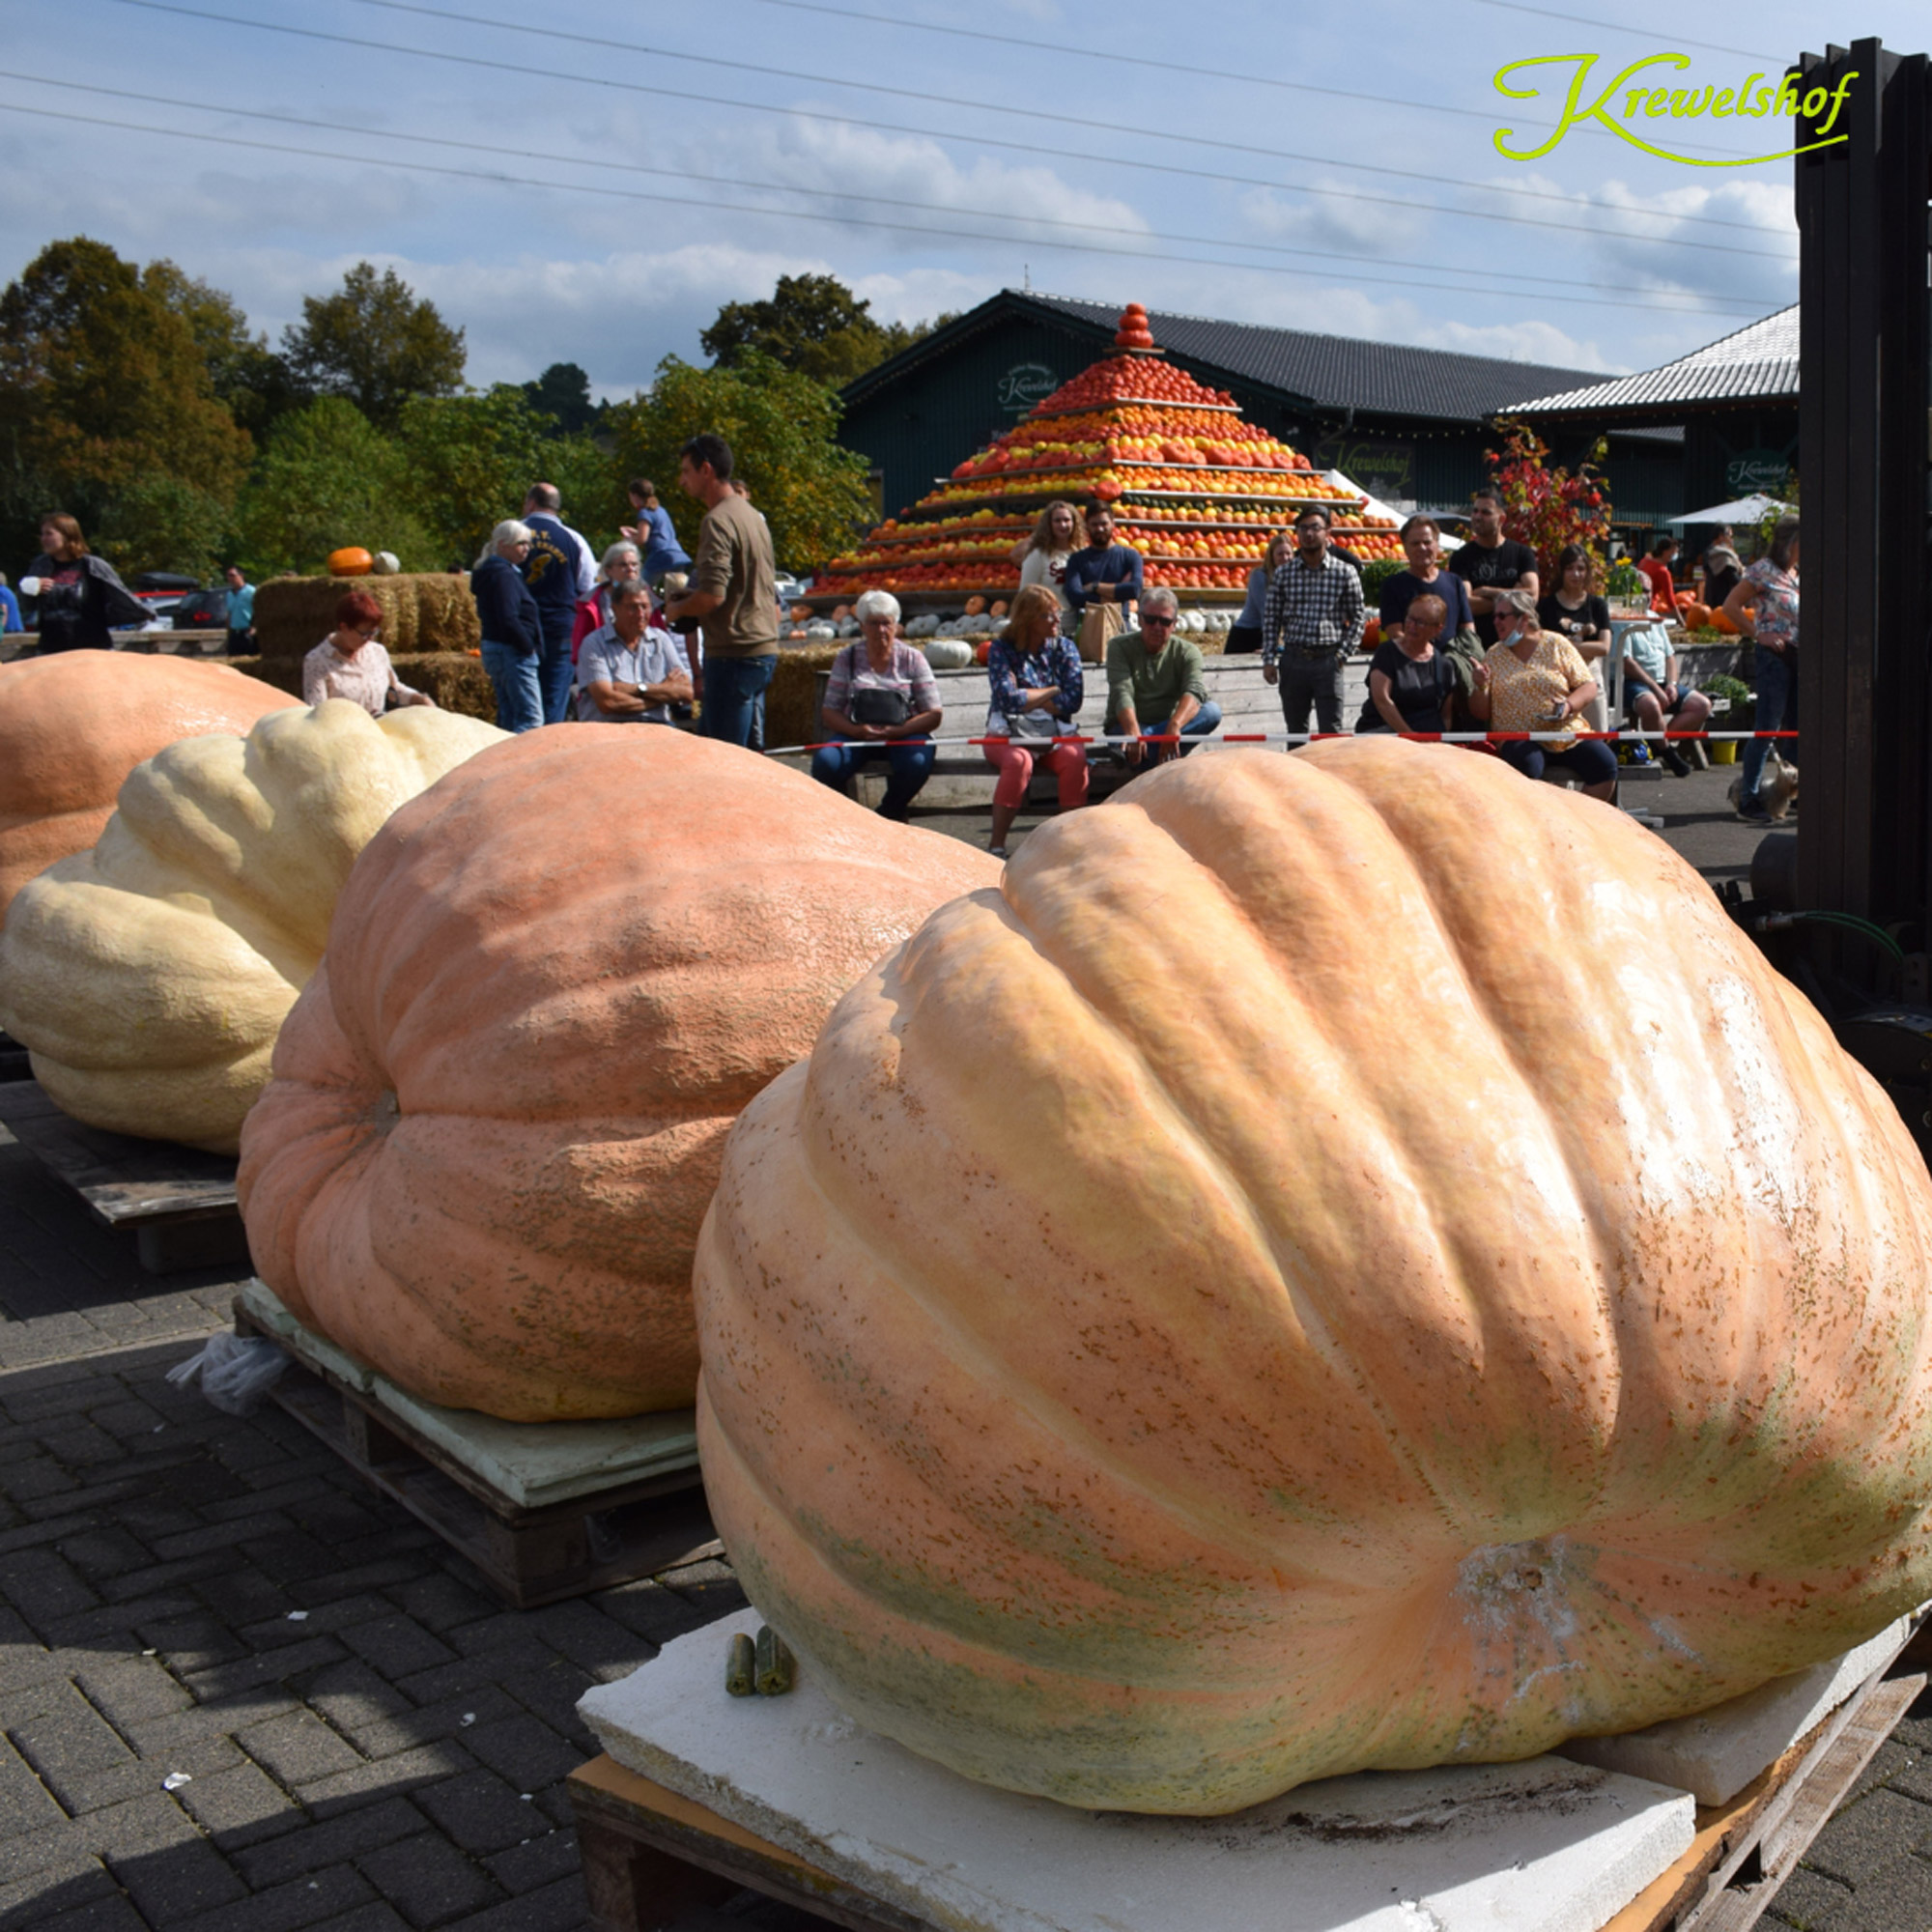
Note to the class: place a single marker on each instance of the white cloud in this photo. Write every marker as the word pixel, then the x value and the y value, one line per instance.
pixel 1345 222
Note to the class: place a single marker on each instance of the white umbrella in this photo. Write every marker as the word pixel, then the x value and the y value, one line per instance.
pixel 1752 509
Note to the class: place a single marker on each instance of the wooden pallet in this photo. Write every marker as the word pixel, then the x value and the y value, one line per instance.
pixel 529 1553
pixel 1744 1850
pixel 650 1855
pixel 179 1202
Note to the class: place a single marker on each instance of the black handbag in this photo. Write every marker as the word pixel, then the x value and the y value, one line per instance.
pixel 874 704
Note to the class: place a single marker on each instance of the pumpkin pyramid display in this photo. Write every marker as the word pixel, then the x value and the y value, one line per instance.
pixel 1128 1379
pixel 150 974
pixel 1196 489
pixel 498 1111
pixel 72 727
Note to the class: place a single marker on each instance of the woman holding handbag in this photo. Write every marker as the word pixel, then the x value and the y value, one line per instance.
pixel 883 702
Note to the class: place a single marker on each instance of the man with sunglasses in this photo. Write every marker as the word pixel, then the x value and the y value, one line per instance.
pixel 1155 687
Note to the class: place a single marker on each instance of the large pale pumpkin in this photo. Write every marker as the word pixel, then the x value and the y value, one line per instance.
pixel 552 981
pixel 150 974
pixel 1344 1261
pixel 74 725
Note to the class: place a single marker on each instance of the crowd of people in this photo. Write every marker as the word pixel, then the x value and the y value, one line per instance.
pixel 648 632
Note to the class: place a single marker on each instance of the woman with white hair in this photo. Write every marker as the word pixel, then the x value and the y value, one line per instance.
pixel 883 702
pixel 512 630
pixel 623 563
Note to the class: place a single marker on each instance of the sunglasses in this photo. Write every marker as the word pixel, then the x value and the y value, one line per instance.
pixel 1158 623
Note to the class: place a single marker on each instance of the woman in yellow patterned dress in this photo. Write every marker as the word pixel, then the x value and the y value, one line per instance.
pixel 1532 680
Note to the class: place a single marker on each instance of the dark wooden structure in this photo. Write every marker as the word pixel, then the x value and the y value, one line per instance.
pixel 1865 842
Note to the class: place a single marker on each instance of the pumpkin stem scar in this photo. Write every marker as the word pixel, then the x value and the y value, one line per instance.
pixel 386 1113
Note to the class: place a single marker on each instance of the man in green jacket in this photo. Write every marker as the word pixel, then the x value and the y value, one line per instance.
pixel 1155 684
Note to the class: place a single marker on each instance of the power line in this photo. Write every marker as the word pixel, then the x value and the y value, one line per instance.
pixel 807 215
pixel 924 96
pixel 1671 37
pixel 496 148
pixel 874 125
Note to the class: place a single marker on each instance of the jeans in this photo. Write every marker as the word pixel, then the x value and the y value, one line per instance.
pixel 734 695
pixel 1589 760
pixel 1776 711
pixel 1199 725
pixel 556 671
pixel 516 674
pixel 911 766
pixel 1318 679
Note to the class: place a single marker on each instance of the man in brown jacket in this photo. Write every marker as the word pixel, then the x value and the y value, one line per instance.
pixel 734 594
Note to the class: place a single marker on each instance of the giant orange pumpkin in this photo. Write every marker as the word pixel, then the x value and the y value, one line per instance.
pixel 551 983
pixel 1302 1279
pixel 72 725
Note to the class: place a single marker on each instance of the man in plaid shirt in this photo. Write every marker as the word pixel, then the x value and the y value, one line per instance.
pixel 1313 620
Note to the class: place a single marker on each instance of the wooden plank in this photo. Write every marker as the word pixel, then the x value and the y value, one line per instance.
pixel 628 1815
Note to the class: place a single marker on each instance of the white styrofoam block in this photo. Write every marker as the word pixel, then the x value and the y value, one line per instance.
pixel 1542 1846
pixel 533 1464
pixel 1715 1754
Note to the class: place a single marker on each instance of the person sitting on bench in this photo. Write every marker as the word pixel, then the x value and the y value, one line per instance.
pixel 1155 687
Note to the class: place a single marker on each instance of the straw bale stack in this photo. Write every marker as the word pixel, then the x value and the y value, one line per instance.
pixel 431 612
pixel 457 682
pixel 791 699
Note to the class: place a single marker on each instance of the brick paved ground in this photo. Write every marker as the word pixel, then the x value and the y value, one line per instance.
pixel 370 1741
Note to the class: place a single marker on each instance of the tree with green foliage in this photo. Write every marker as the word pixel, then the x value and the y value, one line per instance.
pixel 813 324
pixel 469 460
pixel 375 344
pixel 329 478
pixel 107 410
pixel 255 382
pixel 782 427
pixel 563 392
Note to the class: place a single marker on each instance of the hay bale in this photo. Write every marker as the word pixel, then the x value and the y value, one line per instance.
pixel 283 675
pixel 421 612
pixel 456 682
pixel 791 699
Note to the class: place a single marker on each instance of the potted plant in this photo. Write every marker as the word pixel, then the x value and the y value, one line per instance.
pixel 1627 590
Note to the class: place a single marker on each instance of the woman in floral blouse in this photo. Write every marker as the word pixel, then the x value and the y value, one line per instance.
pixel 1037 690
pixel 1533 680
pixel 1764 607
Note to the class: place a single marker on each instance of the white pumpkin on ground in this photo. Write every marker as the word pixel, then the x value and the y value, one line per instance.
pixel 148 975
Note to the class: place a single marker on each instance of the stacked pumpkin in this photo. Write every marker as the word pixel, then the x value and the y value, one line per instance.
pixel 1132 429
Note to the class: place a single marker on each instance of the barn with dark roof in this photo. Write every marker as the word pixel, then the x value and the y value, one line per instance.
pixel 1405 424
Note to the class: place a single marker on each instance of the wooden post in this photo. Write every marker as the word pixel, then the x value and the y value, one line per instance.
pixel 1865 842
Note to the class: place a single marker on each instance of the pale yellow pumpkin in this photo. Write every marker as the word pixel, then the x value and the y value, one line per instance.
pixel 1344 1261
pixel 150 975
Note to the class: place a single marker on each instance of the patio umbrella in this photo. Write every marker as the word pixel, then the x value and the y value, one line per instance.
pixel 1751 509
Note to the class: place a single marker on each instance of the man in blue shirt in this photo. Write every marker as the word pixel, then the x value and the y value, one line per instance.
pixel 10 609
pixel 1104 572
pixel 240 612
pixel 561 574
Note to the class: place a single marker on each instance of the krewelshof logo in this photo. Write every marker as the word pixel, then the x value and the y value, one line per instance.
pixel 1627 97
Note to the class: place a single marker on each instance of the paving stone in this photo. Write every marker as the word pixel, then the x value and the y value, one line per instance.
pixel 198 1641
pixel 298 1748
pixel 504 1666
pixel 477 1811
pixel 441 1601
pixel 397 1647
pixel 583 1633
pixel 76 1754
pixel 380 1720
pixel 428 1881
pixel 25 1802
pixel 105 1549
pixel 1811 1902
pixel 49 1873
pixel 275 1666
pixel 1860 1841
pixel 301 1902
pixel 523 1748
pixel 554 1908
pixel 187 1880
pixel 39 1585
pixel 154 1823
pixel 648 1610
pixel 537 1862
pixel 125 1690
pixel 325 1620
pixel 377 1918
pixel 240 1807
pixel 110 1914
pixel 334 1841
pixel 403 1771
pixel 1898 1898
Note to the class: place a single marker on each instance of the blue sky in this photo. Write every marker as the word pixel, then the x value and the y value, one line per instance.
pixel 545 197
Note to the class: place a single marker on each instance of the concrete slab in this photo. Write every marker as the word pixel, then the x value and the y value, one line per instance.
pixel 531 1463
pixel 1544 1846
pixel 1715 1754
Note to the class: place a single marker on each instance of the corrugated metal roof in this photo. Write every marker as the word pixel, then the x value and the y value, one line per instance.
pixel 1758 363
pixel 1336 371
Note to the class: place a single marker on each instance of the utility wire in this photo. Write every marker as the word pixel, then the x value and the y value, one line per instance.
pixel 1666 40
pixel 808 214
pixel 925 96
pixel 841 195
pixel 873 126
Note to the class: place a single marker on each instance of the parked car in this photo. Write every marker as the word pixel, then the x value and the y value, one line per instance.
pixel 202 610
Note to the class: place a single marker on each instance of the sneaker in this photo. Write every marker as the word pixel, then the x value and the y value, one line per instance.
pixel 1753 815
pixel 1673 761
pixel 996 852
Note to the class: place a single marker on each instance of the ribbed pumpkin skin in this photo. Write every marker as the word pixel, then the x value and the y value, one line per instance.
pixel 150 974
pixel 74 725
pixel 553 980
pixel 1279 1356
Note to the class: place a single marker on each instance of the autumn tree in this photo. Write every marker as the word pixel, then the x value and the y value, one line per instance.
pixel 1546 506
pixel 247 375
pixel 106 400
pixel 374 343
pixel 813 324
pixel 782 427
